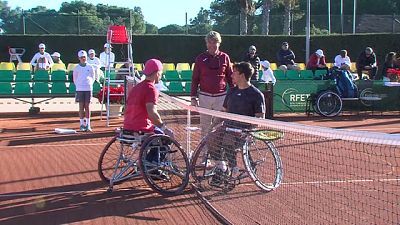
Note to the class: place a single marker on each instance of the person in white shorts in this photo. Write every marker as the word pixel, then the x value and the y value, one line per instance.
pixel 84 76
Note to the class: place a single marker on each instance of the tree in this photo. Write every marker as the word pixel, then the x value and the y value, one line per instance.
pixel 201 24
pixel 247 7
pixel 151 29
pixel 172 29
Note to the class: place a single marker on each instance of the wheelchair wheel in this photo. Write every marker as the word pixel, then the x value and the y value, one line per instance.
pixel 329 104
pixel 117 160
pixel 164 164
pixel 263 163
pixel 367 92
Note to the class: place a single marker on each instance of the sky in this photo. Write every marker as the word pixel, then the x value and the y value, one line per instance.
pixel 157 12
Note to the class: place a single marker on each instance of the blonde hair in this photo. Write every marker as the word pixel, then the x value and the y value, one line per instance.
pixel 214 35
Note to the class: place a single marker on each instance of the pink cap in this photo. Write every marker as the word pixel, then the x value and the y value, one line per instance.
pixel 151 66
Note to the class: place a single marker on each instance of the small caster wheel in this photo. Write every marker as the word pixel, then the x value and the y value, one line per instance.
pixel 110 190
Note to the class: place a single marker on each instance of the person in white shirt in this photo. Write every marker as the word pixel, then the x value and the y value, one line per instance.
pixel 83 76
pixel 342 61
pixel 42 60
pixel 107 58
pixel 268 74
pixel 95 63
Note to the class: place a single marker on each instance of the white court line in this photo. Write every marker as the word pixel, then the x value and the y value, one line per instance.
pixel 341 181
pixel 61 145
pixel 67 192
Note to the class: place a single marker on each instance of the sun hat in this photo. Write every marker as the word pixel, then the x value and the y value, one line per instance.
pixel 91 51
pixel 56 54
pixel 151 66
pixel 265 64
pixel 82 53
pixel 41 45
pixel 106 45
pixel 320 52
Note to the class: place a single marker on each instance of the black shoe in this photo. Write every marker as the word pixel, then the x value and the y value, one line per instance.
pixel 158 175
pixel 218 178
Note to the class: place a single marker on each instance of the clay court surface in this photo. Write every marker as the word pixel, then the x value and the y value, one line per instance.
pixel 46 178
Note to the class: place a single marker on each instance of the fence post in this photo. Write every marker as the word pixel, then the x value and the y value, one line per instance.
pixel 79 23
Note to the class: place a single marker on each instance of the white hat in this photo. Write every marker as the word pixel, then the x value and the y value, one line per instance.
pixel 252 47
pixel 56 54
pixel 265 64
pixel 106 45
pixel 91 51
pixel 82 53
pixel 320 52
pixel 41 45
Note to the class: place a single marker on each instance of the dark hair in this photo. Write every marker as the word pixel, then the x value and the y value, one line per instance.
pixel 245 68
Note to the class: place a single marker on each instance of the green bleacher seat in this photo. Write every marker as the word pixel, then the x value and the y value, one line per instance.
pixel 6 76
pixel 306 74
pixel 172 75
pixel 58 75
pixel 22 88
pixel 292 75
pixel 59 88
pixel 175 87
pixel 186 75
pixel 188 86
pixel 320 74
pixel 23 76
pixel 40 88
pixel 5 88
pixel 41 75
pixel 70 76
pixel 71 88
pixel 279 75
pixel 111 74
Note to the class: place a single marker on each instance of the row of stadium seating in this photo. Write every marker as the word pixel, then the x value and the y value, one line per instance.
pixel 48 89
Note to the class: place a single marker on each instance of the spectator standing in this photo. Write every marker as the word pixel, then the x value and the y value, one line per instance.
pixel 391 62
pixel 367 61
pixel 212 73
pixel 317 61
pixel 286 58
pixel 268 74
pixel 83 77
pixel 95 63
pixel 56 58
pixel 42 60
pixel 342 61
pixel 252 57
pixel 107 57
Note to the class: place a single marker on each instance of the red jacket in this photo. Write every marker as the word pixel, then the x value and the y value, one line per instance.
pixel 313 61
pixel 211 74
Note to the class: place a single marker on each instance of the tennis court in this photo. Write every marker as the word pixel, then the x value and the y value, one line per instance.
pixel 52 179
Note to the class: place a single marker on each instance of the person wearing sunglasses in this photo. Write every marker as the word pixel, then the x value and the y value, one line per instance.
pixel 212 73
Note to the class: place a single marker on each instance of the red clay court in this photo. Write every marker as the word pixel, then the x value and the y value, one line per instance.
pixel 47 178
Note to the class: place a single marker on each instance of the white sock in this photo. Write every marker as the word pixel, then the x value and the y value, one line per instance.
pixel 88 122
pixel 81 121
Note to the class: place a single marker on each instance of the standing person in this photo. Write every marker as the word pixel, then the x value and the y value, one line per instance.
pixel 83 76
pixel 42 60
pixel 212 73
pixel 286 58
pixel 107 57
pixel 243 99
pixel 367 61
pixel 95 63
pixel 252 57
pixel 317 61
pixel 342 61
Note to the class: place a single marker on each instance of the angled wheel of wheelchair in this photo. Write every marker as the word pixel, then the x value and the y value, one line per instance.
pixel 329 104
pixel 164 165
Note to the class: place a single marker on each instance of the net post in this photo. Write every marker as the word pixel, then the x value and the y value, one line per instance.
pixel 269 101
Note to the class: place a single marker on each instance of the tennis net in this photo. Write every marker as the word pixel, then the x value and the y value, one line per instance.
pixel 259 171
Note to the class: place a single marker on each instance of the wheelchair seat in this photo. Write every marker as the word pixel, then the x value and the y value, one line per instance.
pixel 132 136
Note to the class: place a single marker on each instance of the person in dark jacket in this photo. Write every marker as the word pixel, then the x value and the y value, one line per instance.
pixel 254 60
pixel 367 61
pixel 286 58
